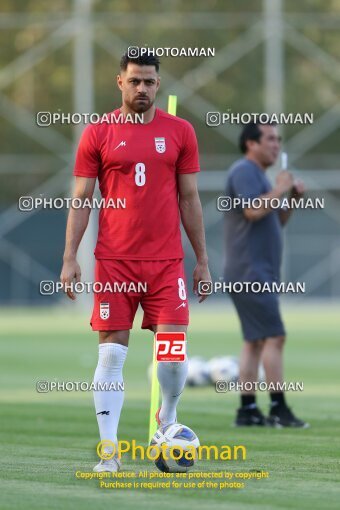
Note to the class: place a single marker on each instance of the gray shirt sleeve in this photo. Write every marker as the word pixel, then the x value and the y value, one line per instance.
pixel 246 183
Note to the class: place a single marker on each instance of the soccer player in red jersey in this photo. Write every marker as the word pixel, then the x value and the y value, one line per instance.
pixel 153 166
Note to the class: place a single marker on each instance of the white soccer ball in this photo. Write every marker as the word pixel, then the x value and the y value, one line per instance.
pixel 224 368
pixel 198 373
pixel 177 447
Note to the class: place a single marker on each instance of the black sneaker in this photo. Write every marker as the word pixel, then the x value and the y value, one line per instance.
pixel 281 416
pixel 248 417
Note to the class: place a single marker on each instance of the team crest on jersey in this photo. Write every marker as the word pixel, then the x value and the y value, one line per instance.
pixel 104 311
pixel 160 145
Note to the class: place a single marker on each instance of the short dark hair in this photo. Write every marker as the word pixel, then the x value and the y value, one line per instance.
pixel 141 60
pixel 253 132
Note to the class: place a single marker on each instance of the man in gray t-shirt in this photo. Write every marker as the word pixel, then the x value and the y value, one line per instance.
pixel 253 254
pixel 253 248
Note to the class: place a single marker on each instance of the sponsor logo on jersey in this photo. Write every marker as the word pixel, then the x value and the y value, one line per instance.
pixel 121 144
pixel 160 145
pixel 104 311
pixel 182 305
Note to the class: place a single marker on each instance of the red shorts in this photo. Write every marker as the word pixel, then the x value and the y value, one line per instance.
pixel 158 285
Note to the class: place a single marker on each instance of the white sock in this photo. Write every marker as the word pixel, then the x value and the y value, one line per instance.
pixel 171 377
pixel 108 403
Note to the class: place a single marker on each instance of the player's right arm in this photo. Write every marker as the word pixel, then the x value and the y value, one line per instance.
pixel 76 225
pixel 86 169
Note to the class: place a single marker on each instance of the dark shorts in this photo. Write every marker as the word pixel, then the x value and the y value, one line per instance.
pixel 259 314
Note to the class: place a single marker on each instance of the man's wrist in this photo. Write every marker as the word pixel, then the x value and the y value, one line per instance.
pixel 69 257
pixel 203 261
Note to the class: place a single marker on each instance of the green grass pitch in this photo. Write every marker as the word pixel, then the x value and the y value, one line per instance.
pixel 45 438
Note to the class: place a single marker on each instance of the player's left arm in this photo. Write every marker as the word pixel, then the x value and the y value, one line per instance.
pixel 297 192
pixel 192 220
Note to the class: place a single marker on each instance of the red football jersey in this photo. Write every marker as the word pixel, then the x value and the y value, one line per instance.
pixel 139 163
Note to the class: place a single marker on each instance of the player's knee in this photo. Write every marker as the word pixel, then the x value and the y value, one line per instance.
pixel 111 358
pixel 280 341
pixel 276 341
pixel 254 347
pixel 116 337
